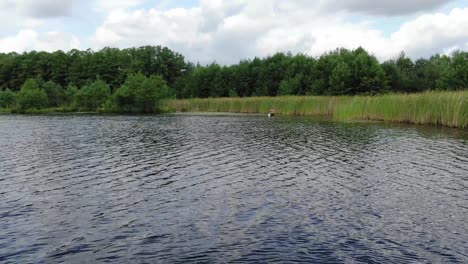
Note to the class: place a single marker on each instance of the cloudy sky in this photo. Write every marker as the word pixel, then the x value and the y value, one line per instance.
pixel 229 30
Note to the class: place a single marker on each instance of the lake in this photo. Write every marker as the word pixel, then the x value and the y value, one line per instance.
pixel 230 188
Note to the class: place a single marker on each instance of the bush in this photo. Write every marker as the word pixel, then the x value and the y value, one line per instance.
pixel 93 96
pixel 70 93
pixel 7 99
pixel 140 94
pixel 55 93
pixel 31 96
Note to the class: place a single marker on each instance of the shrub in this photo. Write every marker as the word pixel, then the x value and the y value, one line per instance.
pixel 93 96
pixel 55 93
pixel 7 99
pixel 141 94
pixel 31 96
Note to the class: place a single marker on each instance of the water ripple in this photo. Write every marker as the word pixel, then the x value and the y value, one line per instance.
pixel 86 189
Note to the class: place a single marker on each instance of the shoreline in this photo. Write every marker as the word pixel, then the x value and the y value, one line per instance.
pixel 442 109
pixel 428 108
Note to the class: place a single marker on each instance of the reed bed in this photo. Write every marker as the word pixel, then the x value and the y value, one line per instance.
pixel 287 105
pixel 434 108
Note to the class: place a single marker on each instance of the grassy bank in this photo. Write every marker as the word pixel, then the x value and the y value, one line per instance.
pixel 435 108
pixel 73 110
pixel 44 111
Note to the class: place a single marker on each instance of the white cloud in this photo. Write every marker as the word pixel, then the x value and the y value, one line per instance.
pixel 179 27
pixel 385 7
pixel 433 33
pixel 29 39
pixel 108 5
pixel 33 23
pixel 18 14
pixel 38 8
pixel 228 31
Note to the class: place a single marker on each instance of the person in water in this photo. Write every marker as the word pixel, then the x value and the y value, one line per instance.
pixel 271 113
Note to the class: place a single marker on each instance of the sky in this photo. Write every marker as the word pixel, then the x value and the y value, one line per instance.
pixel 227 31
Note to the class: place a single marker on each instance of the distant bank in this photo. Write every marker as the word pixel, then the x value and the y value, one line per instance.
pixel 434 108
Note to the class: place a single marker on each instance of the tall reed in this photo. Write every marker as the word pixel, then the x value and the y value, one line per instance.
pixel 435 108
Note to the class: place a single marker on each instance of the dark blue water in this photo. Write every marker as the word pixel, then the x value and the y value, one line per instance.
pixel 87 189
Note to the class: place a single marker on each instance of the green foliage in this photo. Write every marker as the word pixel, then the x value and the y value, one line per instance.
pixel 400 74
pixel 79 67
pixel 233 93
pixel 454 72
pixel 7 99
pixel 31 97
pixel 30 85
pixel 368 75
pixel 338 72
pixel 93 96
pixel 340 79
pixel 290 86
pixel 55 93
pixel 70 95
pixel 436 108
pixel 141 94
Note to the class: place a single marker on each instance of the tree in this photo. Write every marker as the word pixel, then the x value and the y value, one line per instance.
pixel 7 98
pixel 290 86
pixel 460 64
pixel 400 74
pixel 55 93
pixel 70 95
pixel 340 71
pixel 140 94
pixel 31 96
pixel 367 74
pixel 150 91
pixel 93 96
pixel 340 79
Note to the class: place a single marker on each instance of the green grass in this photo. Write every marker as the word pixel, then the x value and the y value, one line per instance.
pixel 5 110
pixel 65 110
pixel 49 110
pixel 287 105
pixel 435 108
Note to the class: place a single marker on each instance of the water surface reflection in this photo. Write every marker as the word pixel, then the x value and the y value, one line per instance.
pixel 230 189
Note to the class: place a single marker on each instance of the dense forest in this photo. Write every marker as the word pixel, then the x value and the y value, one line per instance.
pixel 133 80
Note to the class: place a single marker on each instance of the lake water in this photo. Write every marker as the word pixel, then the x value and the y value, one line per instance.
pixel 234 188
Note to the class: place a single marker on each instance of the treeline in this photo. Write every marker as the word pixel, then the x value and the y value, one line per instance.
pixel 80 67
pixel 339 72
pixel 138 94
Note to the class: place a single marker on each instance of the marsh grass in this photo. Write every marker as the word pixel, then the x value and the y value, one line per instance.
pixel 5 110
pixel 435 108
pixel 286 105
